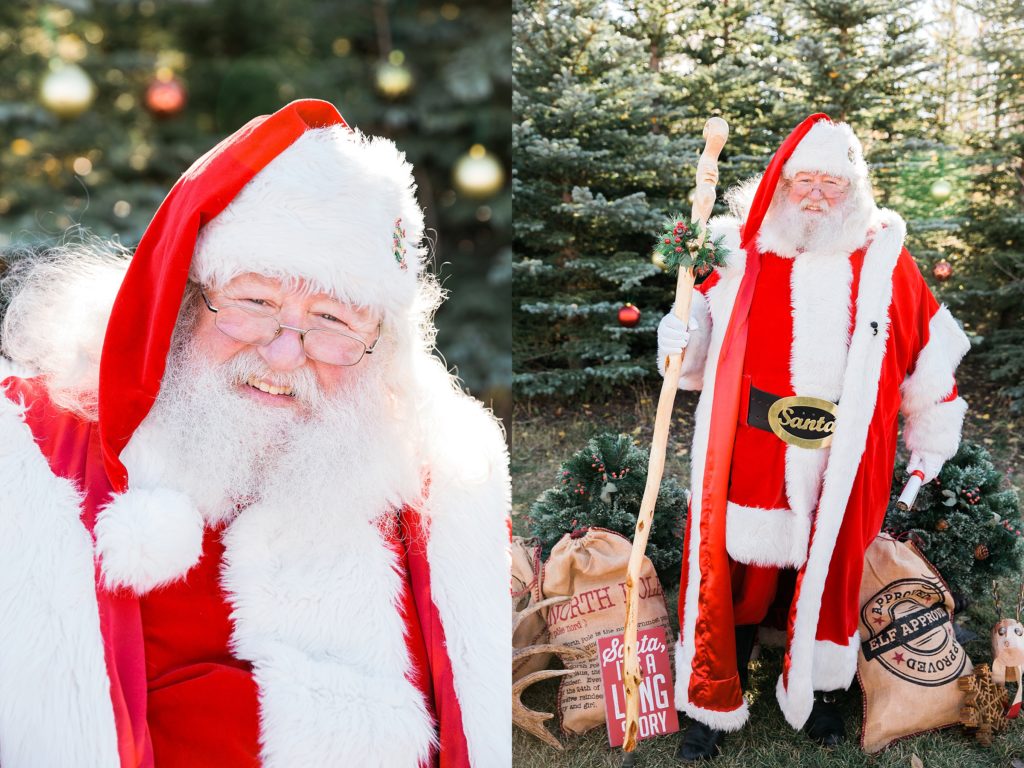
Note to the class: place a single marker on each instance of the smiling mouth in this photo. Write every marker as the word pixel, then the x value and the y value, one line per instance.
pixel 270 389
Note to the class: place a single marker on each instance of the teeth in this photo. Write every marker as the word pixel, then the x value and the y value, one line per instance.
pixel 269 388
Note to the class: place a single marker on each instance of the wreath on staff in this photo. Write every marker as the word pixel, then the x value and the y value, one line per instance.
pixel 685 246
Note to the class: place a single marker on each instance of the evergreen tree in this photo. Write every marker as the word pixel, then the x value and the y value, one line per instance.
pixel 436 79
pixel 596 174
pixel 732 59
pixel 964 521
pixel 602 486
pixel 989 277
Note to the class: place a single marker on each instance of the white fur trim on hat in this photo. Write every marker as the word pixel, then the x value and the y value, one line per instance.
pixel 828 148
pixel 329 209
pixel 148 537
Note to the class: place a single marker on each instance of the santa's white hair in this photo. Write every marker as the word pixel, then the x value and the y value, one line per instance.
pixel 785 231
pixel 60 302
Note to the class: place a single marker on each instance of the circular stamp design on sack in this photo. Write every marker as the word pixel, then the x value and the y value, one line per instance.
pixel 910 633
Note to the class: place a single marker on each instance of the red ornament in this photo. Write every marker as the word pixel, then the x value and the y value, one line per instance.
pixel 629 316
pixel 165 97
pixel 943 271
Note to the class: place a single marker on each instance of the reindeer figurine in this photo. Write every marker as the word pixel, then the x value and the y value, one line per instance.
pixel 1008 650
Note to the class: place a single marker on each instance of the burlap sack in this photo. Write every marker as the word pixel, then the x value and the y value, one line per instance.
pixel 591 567
pixel 526 590
pixel 909 660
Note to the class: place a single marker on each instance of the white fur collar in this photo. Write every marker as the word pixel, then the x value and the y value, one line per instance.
pixel 315 603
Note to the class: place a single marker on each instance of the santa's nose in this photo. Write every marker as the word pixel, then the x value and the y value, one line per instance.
pixel 284 353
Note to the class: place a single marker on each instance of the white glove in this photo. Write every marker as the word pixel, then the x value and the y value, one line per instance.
pixel 929 463
pixel 673 336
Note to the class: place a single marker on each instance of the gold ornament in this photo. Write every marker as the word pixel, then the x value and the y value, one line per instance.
pixel 393 81
pixel 659 261
pixel 393 78
pixel 66 90
pixel 941 190
pixel 478 173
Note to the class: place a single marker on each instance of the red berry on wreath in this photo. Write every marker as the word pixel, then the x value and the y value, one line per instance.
pixel 667 241
pixel 679 249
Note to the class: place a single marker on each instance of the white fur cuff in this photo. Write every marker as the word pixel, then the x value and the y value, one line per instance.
pixel 731 720
pixel 148 537
pixel 795 703
pixel 936 429
pixel 766 536
pixel 834 665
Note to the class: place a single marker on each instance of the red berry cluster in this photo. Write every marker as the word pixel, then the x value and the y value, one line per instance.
pixel 1010 528
pixel 973 496
pixel 579 489
pixel 678 231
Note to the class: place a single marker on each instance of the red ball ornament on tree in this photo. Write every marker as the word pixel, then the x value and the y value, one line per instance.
pixel 165 96
pixel 629 316
pixel 943 271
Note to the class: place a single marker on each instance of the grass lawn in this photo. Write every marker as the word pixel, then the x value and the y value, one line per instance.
pixel 544 434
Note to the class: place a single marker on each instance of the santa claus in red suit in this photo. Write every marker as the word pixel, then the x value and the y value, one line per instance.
pixel 807 346
pixel 248 518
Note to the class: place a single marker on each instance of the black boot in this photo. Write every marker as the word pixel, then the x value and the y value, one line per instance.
pixel 825 723
pixel 699 742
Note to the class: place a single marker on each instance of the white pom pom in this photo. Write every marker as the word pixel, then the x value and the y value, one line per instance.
pixel 148 537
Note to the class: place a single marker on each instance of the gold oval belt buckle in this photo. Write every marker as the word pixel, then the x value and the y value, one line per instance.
pixel 806 422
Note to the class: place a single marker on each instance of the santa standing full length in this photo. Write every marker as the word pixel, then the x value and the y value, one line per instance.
pixel 247 516
pixel 807 345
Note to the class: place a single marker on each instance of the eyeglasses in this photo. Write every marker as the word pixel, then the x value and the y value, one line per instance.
pixel 250 325
pixel 829 186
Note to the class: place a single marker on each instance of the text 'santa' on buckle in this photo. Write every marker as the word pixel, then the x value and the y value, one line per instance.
pixel 807 422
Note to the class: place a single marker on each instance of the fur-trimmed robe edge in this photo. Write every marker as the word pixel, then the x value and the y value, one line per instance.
pixel 59 702
pixel 707 687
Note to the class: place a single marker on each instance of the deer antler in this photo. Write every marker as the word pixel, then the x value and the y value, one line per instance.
pixel 996 600
pixel 530 720
pixel 1020 600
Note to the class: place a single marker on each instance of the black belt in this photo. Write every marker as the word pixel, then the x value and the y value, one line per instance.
pixel 807 422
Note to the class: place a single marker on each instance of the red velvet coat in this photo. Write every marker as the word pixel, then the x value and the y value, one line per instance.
pixel 150 679
pixel 889 347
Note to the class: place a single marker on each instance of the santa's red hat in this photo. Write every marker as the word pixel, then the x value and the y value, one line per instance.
pixel 296 194
pixel 816 145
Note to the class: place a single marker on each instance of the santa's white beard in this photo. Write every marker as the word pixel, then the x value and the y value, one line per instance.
pixel 789 228
pixel 227 451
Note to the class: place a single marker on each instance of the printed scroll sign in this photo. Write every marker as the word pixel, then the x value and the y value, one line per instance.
pixel 657 709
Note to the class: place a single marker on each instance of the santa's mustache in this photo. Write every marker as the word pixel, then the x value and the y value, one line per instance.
pixel 823 205
pixel 247 368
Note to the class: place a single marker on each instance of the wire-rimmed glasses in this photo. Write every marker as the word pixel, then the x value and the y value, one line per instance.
pixel 250 325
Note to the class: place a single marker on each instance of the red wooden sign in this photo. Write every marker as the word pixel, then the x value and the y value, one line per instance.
pixel 657 708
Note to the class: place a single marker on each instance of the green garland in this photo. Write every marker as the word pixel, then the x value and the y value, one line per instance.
pixel 685 246
pixel 602 486
pixel 966 522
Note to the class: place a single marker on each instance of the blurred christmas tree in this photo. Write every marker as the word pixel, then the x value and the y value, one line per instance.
pixel 602 486
pixel 990 284
pixel 964 521
pixel 598 167
pixel 104 104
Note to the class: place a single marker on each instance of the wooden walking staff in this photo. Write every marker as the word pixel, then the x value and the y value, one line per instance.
pixel 716 131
